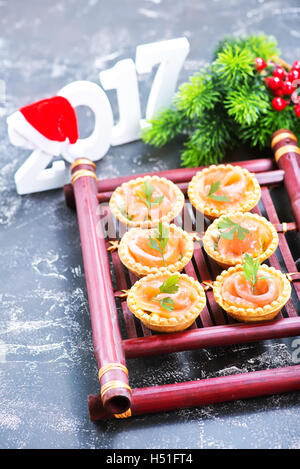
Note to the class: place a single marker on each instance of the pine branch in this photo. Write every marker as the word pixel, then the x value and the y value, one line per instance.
pixel 247 104
pixel 198 95
pixel 259 45
pixel 168 124
pixel 223 105
pixel 261 132
pixel 234 66
pixel 212 135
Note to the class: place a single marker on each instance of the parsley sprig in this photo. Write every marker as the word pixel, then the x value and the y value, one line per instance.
pixel 169 286
pixel 125 213
pixel 231 228
pixel 250 269
pixel 215 186
pixel 160 241
pixel 145 194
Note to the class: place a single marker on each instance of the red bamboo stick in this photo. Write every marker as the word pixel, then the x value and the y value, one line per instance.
pixel 264 178
pixel 110 350
pixel 180 175
pixel 205 391
pixel 287 156
pixel 210 337
pixel 113 374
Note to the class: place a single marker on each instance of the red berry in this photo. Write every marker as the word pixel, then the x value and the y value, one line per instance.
pixel 287 87
pixel 297 110
pixel 296 65
pixel 278 92
pixel 293 75
pixel 267 79
pixel 279 104
pixel 279 72
pixel 275 83
pixel 260 64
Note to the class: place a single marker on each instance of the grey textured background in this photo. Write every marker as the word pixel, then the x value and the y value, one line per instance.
pixel 47 367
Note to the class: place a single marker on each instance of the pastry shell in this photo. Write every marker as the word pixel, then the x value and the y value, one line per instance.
pixel 249 200
pixel 261 313
pixel 161 324
pixel 141 270
pixel 228 261
pixel 175 209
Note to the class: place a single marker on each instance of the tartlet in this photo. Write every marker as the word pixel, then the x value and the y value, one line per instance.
pixel 234 294
pixel 260 238
pixel 219 189
pixel 137 255
pixel 128 202
pixel 188 302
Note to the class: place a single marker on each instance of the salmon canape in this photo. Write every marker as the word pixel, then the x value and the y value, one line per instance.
pixel 231 236
pixel 166 302
pixel 161 249
pixel 252 292
pixel 223 188
pixel 143 202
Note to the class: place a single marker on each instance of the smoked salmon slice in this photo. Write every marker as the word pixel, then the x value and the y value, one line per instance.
pixel 238 291
pixel 254 242
pixel 219 189
pixel 145 201
pixel 184 299
pixel 137 209
pixel 167 247
pixel 232 184
pixel 142 252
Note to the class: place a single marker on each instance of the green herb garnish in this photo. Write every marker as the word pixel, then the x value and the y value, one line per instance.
pixel 169 286
pixel 215 186
pixel 125 213
pixel 250 269
pixel 160 241
pixel 145 194
pixel 231 228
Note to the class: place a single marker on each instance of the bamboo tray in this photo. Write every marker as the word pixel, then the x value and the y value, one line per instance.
pixel 106 278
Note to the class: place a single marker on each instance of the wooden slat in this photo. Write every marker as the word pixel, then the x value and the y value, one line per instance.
pixel 122 285
pixel 266 178
pixel 129 321
pixel 190 271
pixel 219 315
pixel 283 246
pixel 145 330
pixel 189 220
pixel 204 316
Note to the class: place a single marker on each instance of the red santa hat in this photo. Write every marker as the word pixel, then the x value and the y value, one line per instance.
pixel 49 124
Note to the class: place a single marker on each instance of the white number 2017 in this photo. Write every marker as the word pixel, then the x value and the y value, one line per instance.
pixel 34 175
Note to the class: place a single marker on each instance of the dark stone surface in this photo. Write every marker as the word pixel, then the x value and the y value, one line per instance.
pixel 47 367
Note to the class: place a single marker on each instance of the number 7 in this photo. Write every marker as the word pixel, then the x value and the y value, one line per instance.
pixel 123 77
pixel 171 55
